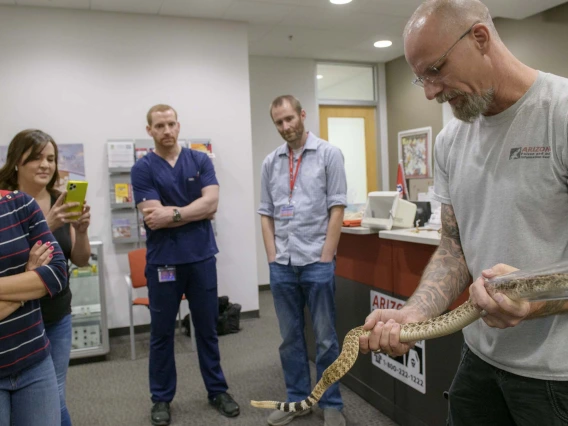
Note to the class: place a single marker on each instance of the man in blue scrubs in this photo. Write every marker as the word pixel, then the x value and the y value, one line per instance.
pixel 176 190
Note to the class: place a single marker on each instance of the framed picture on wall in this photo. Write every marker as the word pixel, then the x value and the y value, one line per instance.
pixel 415 151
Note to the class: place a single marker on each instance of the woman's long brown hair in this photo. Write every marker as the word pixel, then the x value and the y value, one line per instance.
pixel 26 139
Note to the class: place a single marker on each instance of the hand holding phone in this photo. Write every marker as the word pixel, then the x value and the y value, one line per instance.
pixel 69 205
pixel 76 193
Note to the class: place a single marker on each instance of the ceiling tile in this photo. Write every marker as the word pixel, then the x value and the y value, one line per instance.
pixel 257 32
pixel 280 35
pixel 319 29
pixel 338 20
pixel 402 8
pixel 320 3
pixel 327 54
pixel 368 45
pixel 130 6
pixel 195 8
pixel 258 12
pixel 69 4
pixel 519 9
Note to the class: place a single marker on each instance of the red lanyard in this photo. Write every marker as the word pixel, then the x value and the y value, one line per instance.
pixel 293 175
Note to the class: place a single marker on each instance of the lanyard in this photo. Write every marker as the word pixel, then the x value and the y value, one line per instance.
pixel 293 175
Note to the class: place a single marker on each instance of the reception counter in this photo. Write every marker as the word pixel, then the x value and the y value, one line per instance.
pixel 380 271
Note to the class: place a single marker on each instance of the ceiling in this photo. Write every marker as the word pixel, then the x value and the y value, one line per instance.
pixel 302 28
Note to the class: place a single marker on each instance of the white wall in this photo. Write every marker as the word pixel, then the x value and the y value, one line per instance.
pixel 85 77
pixel 271 77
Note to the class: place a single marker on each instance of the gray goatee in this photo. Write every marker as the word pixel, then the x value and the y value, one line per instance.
pixel 471 105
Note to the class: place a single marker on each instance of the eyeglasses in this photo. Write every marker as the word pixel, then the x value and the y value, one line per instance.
pixel 432 73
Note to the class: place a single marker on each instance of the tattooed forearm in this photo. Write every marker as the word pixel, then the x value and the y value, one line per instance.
pixel 552 307
pixel 446 275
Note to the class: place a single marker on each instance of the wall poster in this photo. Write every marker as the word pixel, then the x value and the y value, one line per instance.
pixel 415 152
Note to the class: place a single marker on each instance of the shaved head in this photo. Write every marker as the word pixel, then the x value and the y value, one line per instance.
pixel 453 16
pixel 457 56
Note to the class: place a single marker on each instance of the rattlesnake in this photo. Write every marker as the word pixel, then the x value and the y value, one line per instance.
pixel 521 287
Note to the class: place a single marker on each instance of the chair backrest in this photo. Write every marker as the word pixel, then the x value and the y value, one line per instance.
pixel 137 261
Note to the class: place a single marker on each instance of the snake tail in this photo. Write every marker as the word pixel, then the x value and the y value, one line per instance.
pixel 332 374
pixel 287 407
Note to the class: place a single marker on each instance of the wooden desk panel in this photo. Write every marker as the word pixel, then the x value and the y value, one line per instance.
pixel 409 262
pixel 392 266
pixel 366 259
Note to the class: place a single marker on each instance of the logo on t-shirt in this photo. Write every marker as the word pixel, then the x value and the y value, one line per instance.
pixel 529 152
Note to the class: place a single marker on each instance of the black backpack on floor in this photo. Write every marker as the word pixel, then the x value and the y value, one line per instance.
pixel 229 317
pixel 228 321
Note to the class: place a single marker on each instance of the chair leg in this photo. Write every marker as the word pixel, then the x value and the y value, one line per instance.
pixel 132 344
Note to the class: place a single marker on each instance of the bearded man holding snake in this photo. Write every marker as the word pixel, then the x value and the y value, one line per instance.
pixel 501 174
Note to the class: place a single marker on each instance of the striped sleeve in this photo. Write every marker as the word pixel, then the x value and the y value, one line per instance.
pixel 54 274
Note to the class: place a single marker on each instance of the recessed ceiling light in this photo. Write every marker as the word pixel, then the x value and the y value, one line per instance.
pixel 383 43
pixel 340 1
pixel 320 76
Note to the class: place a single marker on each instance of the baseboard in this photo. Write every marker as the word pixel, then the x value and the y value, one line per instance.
pixel 145 328
pixel 264 287
pixel 250 314
pixel 87 360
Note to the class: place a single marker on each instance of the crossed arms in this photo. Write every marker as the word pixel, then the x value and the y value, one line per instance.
pixel 158 216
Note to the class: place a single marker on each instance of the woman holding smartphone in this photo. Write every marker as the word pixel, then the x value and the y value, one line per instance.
pixel 31 167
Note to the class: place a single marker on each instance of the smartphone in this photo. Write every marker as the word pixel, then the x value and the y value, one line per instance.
pixel 76 193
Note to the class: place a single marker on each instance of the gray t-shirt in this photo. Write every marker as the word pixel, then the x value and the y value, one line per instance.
pixel 506 177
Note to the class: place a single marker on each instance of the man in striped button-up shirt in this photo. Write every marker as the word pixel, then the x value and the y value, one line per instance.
pixel 301 206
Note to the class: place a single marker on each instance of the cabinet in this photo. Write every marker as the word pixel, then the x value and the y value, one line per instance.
pixel 88 307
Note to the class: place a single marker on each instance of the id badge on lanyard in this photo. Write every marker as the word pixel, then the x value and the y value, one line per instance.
pixel 167 274
pixel 287 212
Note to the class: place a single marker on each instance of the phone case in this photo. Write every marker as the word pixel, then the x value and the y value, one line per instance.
pixel 76 193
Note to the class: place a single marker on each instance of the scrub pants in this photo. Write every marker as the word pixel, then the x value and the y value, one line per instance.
pixel 198 281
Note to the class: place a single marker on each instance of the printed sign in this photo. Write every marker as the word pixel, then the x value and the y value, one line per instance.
pixel 409 368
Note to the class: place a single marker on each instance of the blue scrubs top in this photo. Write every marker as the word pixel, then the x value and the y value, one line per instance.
pixel 153 178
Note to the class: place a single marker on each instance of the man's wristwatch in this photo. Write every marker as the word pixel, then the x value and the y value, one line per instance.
pixel 177 215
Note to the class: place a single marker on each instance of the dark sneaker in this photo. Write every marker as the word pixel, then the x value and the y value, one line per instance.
pixel 161 414
pixel 226 405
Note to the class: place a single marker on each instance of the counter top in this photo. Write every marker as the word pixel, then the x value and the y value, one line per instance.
pixel 359 230
pixel 411 236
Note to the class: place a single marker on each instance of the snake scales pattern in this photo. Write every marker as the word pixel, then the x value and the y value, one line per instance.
pixel 439 326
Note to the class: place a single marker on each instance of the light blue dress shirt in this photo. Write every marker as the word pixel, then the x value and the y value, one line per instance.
pixel 320 185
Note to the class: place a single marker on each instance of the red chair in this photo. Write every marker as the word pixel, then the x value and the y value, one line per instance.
pixel 137 279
